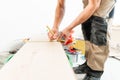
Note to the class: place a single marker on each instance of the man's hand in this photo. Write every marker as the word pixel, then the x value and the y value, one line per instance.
pixel 66 34
pixel 53 34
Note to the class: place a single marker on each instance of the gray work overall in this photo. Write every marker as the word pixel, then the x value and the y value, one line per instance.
pixel 95 35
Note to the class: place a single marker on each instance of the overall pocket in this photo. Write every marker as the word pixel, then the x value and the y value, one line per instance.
pixel 99 31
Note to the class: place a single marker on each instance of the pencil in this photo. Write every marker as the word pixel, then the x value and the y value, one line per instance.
pixel 50 30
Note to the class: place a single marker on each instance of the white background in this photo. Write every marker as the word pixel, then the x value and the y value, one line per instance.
pixel 23 18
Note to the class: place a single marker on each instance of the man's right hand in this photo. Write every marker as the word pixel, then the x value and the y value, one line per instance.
pixel 54 35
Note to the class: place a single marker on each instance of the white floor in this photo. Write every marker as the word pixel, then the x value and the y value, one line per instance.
pixel 111 70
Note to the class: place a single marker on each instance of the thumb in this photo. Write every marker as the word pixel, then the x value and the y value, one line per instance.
pixel 55 35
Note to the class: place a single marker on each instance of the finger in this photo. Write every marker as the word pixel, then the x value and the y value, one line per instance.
pixel 60 37
pixel 50 36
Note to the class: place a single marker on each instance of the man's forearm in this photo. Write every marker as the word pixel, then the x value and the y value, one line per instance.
pixel 59 13
pixel 84 15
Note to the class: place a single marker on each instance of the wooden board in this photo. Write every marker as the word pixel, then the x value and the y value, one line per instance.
pixel 38 61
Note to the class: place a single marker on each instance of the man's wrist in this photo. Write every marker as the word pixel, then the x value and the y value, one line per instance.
pixel 55 27
pixel 69 28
